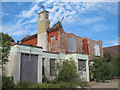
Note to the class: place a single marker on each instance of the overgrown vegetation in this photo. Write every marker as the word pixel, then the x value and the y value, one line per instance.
pixel 67 72
pixel 104 68
pixel 5 46
pixel 114 66
pixel 100 70
pixel 5 39
pixel 7 82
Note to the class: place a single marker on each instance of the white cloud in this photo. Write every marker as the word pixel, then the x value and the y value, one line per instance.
pixel 90 20
pixel 17 29
pixel 57 10
pixel 29 13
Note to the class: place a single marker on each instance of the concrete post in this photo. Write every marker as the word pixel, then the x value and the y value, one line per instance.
pixel 47 67
pixel 39 69
pixel 17 67
pixel 76 62
pixel 87 70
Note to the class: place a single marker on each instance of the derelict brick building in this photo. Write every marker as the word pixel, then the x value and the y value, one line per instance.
pixel 36 55
pixel 54 39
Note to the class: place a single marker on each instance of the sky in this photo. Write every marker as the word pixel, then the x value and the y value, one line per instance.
pixel 94 20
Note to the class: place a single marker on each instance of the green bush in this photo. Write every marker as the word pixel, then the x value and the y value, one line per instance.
pixel 67 72
pixel 100 70
pixel 114 66
pixel 7 82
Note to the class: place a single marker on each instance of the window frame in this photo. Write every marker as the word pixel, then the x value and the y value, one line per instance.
pixel 81 65
pixel 96 49
pixel 52 68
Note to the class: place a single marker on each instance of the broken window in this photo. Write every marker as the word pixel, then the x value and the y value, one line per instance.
pixel 43 67
pixel 81 65
pixel 52 42
pixel 71 44
pixel 97 50
pixel 52 67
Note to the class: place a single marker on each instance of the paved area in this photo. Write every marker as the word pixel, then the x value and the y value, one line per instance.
pixel 107 84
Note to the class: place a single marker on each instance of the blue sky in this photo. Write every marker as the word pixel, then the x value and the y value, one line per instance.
pixel 94 20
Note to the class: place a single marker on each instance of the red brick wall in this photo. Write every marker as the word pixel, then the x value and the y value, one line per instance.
pixel 92 50
pixel 56 41
pixel 113 50
pixel 89 49
pixel 32 41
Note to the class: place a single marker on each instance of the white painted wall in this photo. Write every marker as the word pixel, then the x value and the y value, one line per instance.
pixel 13 66
pixel 42 40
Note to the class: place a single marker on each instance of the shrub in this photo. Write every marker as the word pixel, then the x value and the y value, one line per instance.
pixel 67 72
pixel 100 70
pixel 114 66
pixel 7 82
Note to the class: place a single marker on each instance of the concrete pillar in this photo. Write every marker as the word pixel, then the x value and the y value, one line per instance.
pixel 39 69
pixel 87 70
pixel 19 66
pixel 47 67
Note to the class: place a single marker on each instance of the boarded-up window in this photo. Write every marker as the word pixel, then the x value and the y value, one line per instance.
pixel 52 42
pixel 81 65
pixel 52 67
pixel 43 67
pixel 71 44
pixel 29 67
pixel 97 50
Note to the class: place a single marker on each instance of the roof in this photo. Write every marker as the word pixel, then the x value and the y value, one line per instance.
pixel 29 37
pixel 55 27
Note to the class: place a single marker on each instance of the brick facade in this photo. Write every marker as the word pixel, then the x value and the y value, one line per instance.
pixel 61 43
pixel 32 41
pixel 58 42
pixel 113 50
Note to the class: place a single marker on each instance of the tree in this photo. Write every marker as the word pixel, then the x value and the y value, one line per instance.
pixel 114 65
pixel 107 56
pixel 5 40
pixel 100 70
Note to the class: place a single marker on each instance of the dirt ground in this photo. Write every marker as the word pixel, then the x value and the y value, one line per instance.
pixel 108 84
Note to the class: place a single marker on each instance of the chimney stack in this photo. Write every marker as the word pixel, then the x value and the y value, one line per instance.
pixel 42 27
